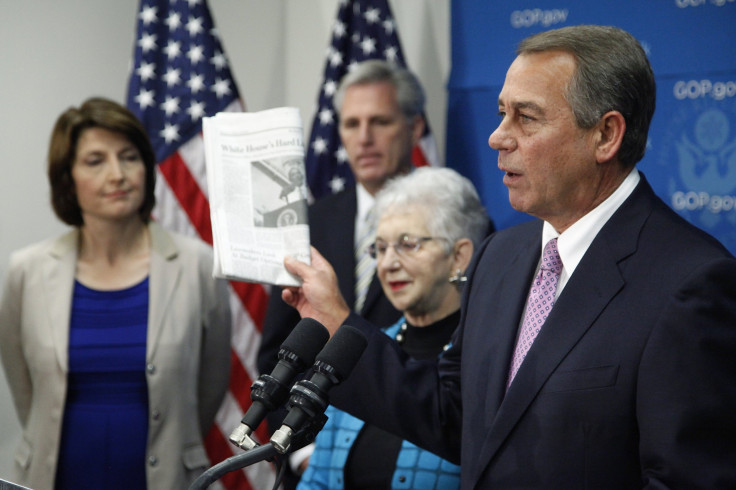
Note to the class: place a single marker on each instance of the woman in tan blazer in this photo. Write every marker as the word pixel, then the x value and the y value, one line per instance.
pixel 95 404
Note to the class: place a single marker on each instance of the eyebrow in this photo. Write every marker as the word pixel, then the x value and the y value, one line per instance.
pixel 524 105
pixel 102 151
pixel 372 118
pixel 402 235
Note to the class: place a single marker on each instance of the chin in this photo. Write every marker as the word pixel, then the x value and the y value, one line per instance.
pixel 397 303
pixel 373 175
pixel 518 205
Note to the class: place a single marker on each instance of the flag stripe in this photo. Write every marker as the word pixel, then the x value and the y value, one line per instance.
pixel 246 336
pixel 417 157
pixel 428 153
pixel 239 376
pixel 253 297
pixel 189 194
pixel 192 154
pixel 168 210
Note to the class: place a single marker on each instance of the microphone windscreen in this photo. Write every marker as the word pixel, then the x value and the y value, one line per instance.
pixel 343 350
pixel 306 339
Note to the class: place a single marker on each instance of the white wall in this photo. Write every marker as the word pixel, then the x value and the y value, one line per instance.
pixel 55 54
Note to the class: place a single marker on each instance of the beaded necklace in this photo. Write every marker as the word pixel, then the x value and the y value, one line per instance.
pixel 401 336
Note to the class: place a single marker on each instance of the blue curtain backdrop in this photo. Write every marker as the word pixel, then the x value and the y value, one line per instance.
pixel 691 153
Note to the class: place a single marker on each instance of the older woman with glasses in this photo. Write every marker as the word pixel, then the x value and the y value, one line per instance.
pixel 428 224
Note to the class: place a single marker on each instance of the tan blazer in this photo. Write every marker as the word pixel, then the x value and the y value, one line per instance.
pixel 187 354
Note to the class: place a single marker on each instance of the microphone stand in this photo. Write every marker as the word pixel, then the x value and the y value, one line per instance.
pixel 260 453
pixel 233 463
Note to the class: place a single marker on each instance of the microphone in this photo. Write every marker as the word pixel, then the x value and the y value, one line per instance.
pixel 270 391
pixel 309 397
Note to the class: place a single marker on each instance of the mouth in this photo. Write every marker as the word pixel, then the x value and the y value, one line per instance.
pixel 506 170
pixel 397 285
pixel 117 194
pixel 509 176
pixel 368 158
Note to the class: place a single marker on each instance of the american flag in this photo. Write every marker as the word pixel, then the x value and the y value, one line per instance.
pixel 181 75
pixel 364 29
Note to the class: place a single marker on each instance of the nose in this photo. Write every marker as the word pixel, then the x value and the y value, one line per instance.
pixel 365 133
pixel 116 169
pixel 390 259
pixel 500 139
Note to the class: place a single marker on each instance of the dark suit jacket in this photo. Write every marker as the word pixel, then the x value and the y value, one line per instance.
pixel 331 230
pixel 631 382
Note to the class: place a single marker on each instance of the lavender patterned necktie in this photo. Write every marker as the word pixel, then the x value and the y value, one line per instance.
pixel 540 302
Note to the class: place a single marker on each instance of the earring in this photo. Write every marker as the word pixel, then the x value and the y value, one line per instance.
pixel 458 278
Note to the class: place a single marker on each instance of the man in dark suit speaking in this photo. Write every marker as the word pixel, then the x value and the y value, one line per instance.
pixel 597 344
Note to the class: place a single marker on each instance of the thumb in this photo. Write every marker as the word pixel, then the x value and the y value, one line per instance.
pixel 317 259
pixel 295 266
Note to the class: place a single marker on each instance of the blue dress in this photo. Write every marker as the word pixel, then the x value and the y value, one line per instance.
pixel 105 426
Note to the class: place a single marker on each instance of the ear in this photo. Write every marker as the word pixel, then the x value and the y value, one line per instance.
pixel 610 134
pixel 417 129
pixel 461 254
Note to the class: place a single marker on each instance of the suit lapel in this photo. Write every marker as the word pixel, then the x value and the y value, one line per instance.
pixel 57 290
pixel 515 284
pixel 595 282
pixel 582 300
pixel 372 295
pixel 343 238
pixel 164 278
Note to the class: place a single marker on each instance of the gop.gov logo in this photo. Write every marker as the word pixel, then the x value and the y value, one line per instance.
pixel 697 165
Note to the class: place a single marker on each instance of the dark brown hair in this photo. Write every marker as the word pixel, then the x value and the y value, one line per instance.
pixel 93 113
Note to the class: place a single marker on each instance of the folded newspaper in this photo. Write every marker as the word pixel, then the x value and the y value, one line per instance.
pixel 257 193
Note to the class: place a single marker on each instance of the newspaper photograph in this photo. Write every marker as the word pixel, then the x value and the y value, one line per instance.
pixel 258 194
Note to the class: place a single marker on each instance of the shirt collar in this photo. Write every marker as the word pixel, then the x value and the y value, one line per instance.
pixel 574 242
pixel 365 202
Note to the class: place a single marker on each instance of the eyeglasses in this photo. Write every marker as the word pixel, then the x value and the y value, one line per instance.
pixel 406 245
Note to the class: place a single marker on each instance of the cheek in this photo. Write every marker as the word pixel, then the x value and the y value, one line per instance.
pixel 82 186
pixel 403 143
pixel 349 140
pixel 138 172
pixel 137 180
pixel 381 272
pixel 442 273
pixel 545 166
pixel 391 158
pixel 348 143
pixel 431 277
